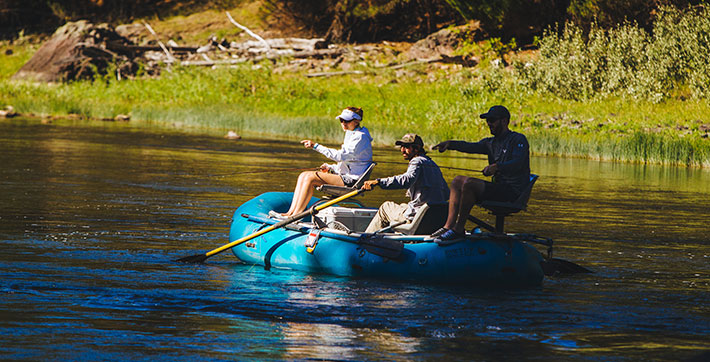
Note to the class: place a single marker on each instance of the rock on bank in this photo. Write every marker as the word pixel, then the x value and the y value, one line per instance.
pixel 77 50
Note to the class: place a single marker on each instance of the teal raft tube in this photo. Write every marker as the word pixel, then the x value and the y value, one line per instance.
pixel 475 261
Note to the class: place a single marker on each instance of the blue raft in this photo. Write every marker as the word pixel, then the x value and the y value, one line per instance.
pixel 478 260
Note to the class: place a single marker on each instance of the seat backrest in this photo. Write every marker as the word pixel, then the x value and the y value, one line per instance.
pixel 428 219
pixel 525 195
pixel 364 177
pixel 336 191
pixel 521 203
pixel 410 227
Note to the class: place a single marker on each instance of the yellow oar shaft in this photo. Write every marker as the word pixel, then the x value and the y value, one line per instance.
pixel 282 223
pixel 246 238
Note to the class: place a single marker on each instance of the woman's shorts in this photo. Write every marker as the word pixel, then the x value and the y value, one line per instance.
pixel 348 181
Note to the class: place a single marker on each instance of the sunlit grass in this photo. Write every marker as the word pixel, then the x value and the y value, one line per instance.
pixel 253 100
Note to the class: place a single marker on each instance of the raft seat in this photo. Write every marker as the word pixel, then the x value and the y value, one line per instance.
pixel 502 209
pixel 427 220
pixel 333 191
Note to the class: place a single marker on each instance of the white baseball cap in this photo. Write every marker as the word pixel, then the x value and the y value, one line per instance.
pixel 348 116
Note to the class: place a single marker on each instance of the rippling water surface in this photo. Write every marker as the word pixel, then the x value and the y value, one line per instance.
pixel 93 216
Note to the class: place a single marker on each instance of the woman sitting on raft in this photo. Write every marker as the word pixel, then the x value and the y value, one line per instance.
pixel 353 158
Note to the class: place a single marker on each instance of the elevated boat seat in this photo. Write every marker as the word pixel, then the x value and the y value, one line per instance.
pixel 501 209
pixel 427 220
pixel 333 191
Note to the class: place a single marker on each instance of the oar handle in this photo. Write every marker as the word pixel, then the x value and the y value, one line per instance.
pixel 284 222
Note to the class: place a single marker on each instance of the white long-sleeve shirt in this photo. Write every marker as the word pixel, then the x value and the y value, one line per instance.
pixel 353 157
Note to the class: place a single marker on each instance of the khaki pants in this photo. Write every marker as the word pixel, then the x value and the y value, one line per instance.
pixel 388 213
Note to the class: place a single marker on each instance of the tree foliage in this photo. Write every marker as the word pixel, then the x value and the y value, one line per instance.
pixel 525 19
pixel 356 20
pixel 46 15
pixel 367 20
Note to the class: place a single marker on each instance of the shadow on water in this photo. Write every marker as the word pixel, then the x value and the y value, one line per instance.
pixel 93 216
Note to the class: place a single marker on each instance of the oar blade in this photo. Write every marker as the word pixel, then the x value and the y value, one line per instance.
pixel 382 246
pixel 193 259
pixel 555 266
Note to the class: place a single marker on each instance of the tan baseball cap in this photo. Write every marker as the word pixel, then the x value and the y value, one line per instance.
pixel 410 139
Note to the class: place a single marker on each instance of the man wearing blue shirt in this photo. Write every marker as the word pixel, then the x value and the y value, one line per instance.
pixel 508 162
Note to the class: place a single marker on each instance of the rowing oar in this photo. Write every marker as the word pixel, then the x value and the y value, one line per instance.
pixel 202 257
pixel 554 266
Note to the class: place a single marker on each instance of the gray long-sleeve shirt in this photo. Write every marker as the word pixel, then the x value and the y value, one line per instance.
pixel 510 152
pixel 424 183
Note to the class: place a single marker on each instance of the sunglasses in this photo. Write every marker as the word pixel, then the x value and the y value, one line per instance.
pixel 492 120
pixel 346 121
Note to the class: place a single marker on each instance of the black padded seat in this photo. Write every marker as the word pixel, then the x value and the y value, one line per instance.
pixel 501 209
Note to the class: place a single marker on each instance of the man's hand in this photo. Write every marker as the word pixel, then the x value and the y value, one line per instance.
pixel 490 170
pixel 443 146
pixel 308 143
pixel 367 186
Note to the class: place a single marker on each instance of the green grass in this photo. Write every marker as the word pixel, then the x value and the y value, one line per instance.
pixel 255 101
pixel 436 102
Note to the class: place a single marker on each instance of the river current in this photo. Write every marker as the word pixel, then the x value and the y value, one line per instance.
pixel 93 216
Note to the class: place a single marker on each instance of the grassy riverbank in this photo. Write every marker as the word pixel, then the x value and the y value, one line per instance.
pixel 436 101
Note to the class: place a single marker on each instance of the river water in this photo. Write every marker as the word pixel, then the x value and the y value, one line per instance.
pixel 94 214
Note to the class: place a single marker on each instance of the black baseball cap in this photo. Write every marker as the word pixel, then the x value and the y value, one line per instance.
pixel 497 112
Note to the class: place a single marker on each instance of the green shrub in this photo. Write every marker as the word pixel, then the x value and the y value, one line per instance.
pixel 625 60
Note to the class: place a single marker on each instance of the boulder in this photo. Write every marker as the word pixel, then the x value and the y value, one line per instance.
pixel 78 50
pixel 444 42
pixel 8 112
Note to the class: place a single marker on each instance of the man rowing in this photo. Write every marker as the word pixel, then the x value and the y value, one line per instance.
pixel 425 186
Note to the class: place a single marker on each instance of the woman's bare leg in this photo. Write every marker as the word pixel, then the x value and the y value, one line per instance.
pixel 302 178
pixel 304 189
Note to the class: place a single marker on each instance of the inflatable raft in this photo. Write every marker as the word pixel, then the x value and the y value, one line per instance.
pixel 333 242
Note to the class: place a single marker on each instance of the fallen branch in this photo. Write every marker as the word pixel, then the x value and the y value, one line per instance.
pixel 284 43
pixel 397 66
pixel 416 62
pixel 146 48
pixel 240 26
pixel 330 74
pixel 167 52
pixel 314 54
pixel 209 63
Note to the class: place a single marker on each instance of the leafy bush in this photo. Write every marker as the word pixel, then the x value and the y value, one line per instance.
pixel 625 60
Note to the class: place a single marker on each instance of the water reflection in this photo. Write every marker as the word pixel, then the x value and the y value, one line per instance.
pixel 94 214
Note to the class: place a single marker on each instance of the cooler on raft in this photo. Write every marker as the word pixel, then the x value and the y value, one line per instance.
pixel 353 219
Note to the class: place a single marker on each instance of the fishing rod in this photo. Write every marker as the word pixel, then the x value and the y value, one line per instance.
pixel 271 169
pixel 446 167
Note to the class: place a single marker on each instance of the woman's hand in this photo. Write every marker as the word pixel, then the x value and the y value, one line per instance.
pixel 325 167
pixel 308 143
